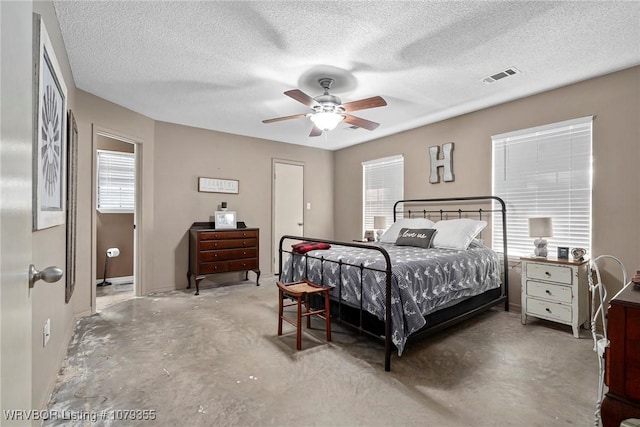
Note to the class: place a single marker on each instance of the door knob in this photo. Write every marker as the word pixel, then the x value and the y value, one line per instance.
pixel 301 224
pixel 49 275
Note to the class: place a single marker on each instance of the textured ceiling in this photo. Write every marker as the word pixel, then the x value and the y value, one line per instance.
pixel 224 65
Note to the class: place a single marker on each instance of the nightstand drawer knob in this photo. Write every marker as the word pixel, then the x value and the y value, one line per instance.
pixel 548 310
pixel 547 273
pixel 548 292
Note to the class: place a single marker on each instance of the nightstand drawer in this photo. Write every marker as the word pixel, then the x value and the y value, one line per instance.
pixel 553 273
pixel 549 291
pixel 549 310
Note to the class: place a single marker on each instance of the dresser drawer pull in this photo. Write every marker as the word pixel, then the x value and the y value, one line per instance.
pixel 548 292
pixel 548 310
pixel 547 273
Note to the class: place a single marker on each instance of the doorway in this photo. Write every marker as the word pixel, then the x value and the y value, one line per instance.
pixel 115 218
pixel 288 203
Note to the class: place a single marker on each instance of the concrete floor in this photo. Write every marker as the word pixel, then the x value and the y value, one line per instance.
pixel 216 360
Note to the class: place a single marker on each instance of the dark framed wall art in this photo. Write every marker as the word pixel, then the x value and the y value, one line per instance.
pixel 50 129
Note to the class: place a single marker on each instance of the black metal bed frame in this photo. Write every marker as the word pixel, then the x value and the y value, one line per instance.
pixel 436 321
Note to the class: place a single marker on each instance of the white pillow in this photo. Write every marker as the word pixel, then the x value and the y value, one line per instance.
pixel 456 233
pixel 391 235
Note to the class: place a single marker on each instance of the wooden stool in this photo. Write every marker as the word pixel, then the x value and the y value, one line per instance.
pixel 300 291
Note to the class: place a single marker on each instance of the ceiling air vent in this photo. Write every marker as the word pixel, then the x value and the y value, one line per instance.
pixel 501 75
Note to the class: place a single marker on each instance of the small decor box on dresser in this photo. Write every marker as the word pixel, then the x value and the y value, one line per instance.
pixel 555 290
pixel 213 251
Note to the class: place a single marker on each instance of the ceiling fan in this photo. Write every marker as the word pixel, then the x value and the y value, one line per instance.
pixel 328 110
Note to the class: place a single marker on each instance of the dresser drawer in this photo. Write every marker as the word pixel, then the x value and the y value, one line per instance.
pixel 553 273
pixel 549 310
pixel 217 235
pixel 213 267
pixel 549 291
pixel 226 244
pixel 227 266
pixel 226 254
pixel 243 264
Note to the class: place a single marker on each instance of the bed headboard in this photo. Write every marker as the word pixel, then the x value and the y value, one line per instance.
pixel 457 207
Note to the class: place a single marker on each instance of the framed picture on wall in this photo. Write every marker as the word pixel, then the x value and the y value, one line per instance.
pixel 218 185
pixel 50 130
pixel 72 205
pixel 225 219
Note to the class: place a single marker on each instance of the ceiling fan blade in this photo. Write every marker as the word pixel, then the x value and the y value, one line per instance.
pixel 375 101
pixel 316 131
pixel 279 119
pixel 360 122
pixel 302 97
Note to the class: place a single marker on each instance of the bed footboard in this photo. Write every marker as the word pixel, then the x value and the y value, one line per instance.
pixel 388 345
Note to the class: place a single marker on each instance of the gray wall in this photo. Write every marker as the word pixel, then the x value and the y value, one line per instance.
pixel 183 154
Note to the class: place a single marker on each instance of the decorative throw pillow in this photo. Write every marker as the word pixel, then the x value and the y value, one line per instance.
pixel 456 233
pixel 418 237
pixel 391 235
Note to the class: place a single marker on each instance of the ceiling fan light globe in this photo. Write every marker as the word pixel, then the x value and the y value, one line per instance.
pixel 326 121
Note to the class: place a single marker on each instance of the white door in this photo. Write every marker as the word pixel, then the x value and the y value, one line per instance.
pixel 288 204
pixel 15 207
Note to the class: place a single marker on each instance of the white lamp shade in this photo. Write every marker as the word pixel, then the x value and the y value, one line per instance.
pixel 540 227
pixel 326 121
pixel 379 222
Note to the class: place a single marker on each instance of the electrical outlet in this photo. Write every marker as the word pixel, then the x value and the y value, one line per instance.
pixel 46 332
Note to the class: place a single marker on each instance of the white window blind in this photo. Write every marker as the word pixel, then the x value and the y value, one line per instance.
pixel 383 185
pixel 544 172
pixel 116 182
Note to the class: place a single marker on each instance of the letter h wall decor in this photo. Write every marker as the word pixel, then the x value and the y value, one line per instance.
pixel 446 163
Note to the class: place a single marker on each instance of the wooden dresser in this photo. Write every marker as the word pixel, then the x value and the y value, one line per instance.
pixel 214 251
pixel 622 372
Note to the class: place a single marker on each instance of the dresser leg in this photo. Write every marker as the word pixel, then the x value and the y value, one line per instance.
pixel 188 280
pixel 576 330
pixel 258 277
pixel 197 286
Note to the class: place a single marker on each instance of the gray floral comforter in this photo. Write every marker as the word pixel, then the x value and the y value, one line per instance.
pixel 424 280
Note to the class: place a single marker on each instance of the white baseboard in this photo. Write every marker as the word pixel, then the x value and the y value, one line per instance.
pixel 117 280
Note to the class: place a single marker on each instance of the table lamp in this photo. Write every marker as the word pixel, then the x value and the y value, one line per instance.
pixel 380 224
pixel 540 228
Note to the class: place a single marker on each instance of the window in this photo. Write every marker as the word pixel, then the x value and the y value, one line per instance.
pixel 544 172
pixel 116 182
pixel 383 185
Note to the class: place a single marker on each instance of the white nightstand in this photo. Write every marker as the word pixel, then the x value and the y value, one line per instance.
pixel 555 290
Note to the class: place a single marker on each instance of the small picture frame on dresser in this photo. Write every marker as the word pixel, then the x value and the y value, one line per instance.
pixel 225 219
pixel 563 252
